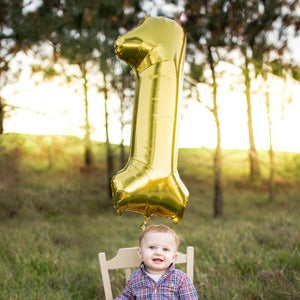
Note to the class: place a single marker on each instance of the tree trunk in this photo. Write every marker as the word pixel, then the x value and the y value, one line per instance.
pixel 88 154
pixel 122 148
pixel 253 157
pixel 109 154
pixel 271 152
pixel 122 154
pixel 1 116
pixel 218 189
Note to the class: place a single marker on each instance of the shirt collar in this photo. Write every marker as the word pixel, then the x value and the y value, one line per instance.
pixel 170 269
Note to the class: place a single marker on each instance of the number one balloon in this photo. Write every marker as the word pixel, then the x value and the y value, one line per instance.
pixel 149 183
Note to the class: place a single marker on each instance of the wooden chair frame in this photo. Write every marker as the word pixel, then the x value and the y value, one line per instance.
pixel 127 259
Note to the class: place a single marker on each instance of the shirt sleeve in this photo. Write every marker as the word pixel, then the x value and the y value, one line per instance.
pixel 127 292
pixel 187 290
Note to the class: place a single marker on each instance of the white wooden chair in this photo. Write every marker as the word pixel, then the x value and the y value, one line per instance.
pixel 127 259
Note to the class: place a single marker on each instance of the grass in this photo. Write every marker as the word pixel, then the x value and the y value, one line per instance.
pixel 55 216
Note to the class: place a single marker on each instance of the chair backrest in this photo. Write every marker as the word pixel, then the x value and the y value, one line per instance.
pixel 127 259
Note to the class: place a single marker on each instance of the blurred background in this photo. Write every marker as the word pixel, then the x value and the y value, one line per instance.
pixel 60 75
pixel 65 121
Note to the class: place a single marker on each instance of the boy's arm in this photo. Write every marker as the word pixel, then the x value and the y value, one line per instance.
pixel 127 292
pixel 187 290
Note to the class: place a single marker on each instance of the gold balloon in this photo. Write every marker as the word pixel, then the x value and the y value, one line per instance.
pixel 150 183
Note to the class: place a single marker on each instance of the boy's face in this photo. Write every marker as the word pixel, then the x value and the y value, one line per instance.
pixel 158 250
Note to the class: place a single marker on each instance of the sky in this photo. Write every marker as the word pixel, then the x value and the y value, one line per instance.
pixel 55 109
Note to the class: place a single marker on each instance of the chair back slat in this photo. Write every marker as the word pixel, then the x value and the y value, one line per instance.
pixel 125 258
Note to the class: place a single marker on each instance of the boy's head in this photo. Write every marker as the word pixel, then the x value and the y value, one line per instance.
pixel 160 229
pixel 158 248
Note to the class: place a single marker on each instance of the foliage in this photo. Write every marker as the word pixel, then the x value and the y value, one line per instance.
pixel 16 31
pixel 55 220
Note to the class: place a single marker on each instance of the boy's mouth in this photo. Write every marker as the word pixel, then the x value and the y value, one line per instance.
pixel 157 260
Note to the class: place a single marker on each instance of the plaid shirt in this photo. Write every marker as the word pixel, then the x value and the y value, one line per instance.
pixel 173 285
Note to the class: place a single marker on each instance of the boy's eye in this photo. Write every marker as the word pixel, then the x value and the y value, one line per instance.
pixel 165 249
pixel 151 247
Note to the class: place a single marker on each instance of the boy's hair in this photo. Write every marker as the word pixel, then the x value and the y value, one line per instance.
pixel 159 228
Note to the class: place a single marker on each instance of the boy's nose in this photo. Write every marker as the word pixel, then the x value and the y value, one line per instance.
pixel 158 251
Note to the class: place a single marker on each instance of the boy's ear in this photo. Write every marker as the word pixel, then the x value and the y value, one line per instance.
pixel 140 252
pixel 175 256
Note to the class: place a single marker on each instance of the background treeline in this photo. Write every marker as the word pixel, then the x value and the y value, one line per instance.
pixel 252 35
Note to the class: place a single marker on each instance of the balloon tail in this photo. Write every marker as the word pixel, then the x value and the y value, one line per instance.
pixel 142 227
pixel 175 220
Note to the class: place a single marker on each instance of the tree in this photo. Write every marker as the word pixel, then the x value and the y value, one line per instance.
pixel 206 24
pixel 83 34
pixel 77 40
pixel 271 151
pixel 280 70
pixel 109 151
pixel 121 15
pixel 1 114
pixel 269 19
pixel 123 84
pixel 252 25
pixel 18 33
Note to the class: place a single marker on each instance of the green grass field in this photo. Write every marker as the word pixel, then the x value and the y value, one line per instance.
pixel 55 216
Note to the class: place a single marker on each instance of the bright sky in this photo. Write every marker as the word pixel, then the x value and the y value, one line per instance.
pixel 56 109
